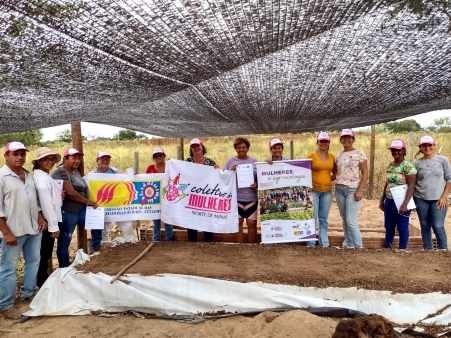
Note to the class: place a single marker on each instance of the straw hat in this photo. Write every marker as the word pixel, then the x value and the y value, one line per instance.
pixel 43 152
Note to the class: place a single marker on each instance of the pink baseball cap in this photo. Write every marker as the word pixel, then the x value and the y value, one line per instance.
pixel 102 154
pixel 323 136
pixel 274 141
pixel 397 144
pixel 426 139
pixel 72 151
pixel 347 132
pixel 159 151
pixel 194 141
pixel 14 146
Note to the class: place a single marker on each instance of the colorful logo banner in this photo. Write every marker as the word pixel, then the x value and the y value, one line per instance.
pixel 126 197
pixel 199 197
pixel 286 201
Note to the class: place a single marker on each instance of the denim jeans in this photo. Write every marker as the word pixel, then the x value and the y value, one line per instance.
pixel 126 228
pixel 431 217
pixel 168 230
pixel 30 245
pixel 393 220
pixel 67 227
pixel 96 239
pixel 349 208
pixel 321 207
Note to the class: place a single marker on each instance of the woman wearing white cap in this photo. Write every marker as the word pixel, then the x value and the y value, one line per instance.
pixel 349 187
pixel 323 173
pixel 276 149
pixel 159 166
pixel 399 172
pixel 431 191
pixel 50 199
pixel 74 204
pixel 197 153
pixel 100 237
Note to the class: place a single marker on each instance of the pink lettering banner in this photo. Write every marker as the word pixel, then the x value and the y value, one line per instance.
pixel 199 197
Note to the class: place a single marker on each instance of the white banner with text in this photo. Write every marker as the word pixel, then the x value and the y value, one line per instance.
pixel 199 197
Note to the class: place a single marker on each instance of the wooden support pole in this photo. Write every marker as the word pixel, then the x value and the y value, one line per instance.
pixel 182 155
pixel 291 150
pixel 177 150
pixel 77 143
pixel 371 168
pixel 411 146
pixel 136 224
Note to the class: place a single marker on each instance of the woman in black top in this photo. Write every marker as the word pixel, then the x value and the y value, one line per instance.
pixel 74 204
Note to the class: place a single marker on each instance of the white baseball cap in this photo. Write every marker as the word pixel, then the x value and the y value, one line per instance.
pixel 347 132
pixel 274 141
pixel 158 151
pixel 13 146
pixel 195 141
pixel 102 154
pixel 426 139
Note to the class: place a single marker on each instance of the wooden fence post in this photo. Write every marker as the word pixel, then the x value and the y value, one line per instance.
pixel 410 146
pixel 136 224
pixel 291 150
pixel 77 143
pixel 181 153
pixel 371 169
pixel 177 150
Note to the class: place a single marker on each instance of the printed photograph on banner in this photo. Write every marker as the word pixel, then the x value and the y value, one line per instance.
pixel 291 203
pixel 286 201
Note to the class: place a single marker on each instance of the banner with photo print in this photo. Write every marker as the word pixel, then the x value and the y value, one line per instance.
pixel 126 198
pixel 199 197
pixel 286 201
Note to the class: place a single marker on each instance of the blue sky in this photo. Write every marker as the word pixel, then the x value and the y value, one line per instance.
pixel 100 130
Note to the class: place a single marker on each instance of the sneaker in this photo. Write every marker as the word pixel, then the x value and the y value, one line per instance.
pixel 11 313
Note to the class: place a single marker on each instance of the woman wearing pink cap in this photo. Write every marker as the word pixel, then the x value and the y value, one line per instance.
pixel 323 173
pixel 100 237
pixel 74 204
pixel 399 172
pixel 349 187
pixel 431 190
pixel 276 149
pixel 197 153
pixel 247 197
pixel 159 166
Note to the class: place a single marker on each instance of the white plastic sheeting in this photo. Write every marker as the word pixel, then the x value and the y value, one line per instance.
pixel 71 292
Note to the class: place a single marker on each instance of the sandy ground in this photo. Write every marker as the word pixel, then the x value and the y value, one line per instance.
pixel 267 324
pixel 375 269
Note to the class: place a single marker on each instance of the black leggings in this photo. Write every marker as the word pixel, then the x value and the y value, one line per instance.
pixel 47 244
pixel 192 236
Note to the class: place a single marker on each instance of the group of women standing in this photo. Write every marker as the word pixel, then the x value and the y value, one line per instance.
pixel 428 181
pixel 65 207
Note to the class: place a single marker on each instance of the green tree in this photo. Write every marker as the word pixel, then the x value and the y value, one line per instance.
pixel 402 126
pixel 65 136
pixel 127 135
pixel 442 124
pixel 29 137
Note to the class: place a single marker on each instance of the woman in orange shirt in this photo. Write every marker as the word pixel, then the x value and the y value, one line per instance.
pixel 324 170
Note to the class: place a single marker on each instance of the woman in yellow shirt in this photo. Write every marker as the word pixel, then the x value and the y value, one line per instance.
pixel 323 173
